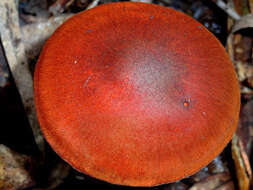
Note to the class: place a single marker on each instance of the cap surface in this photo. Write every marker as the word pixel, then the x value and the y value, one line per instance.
pixel 136 94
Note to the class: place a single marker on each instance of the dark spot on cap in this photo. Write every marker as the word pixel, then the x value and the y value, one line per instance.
pixel 186 103
pixel 89 31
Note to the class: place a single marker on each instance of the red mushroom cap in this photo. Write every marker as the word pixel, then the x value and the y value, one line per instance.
pixel 136 94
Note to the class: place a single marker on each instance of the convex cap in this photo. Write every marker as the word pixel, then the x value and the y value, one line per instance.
pixel 136 94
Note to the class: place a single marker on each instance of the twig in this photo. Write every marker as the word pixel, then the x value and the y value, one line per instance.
pixel 92 4
pixel 229 10
pixel 15 54
pixel 59 6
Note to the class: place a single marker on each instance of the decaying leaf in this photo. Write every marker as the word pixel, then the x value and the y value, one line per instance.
pixel 14 170
pixel 221 181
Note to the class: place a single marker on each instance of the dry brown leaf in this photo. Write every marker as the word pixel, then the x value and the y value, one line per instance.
pixel 242 166
pixel 251 5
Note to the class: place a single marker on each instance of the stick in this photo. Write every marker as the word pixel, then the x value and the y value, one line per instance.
pixel 15 54
pixel 229 10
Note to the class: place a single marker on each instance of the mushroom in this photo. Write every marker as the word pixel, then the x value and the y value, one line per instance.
pixel 136 94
